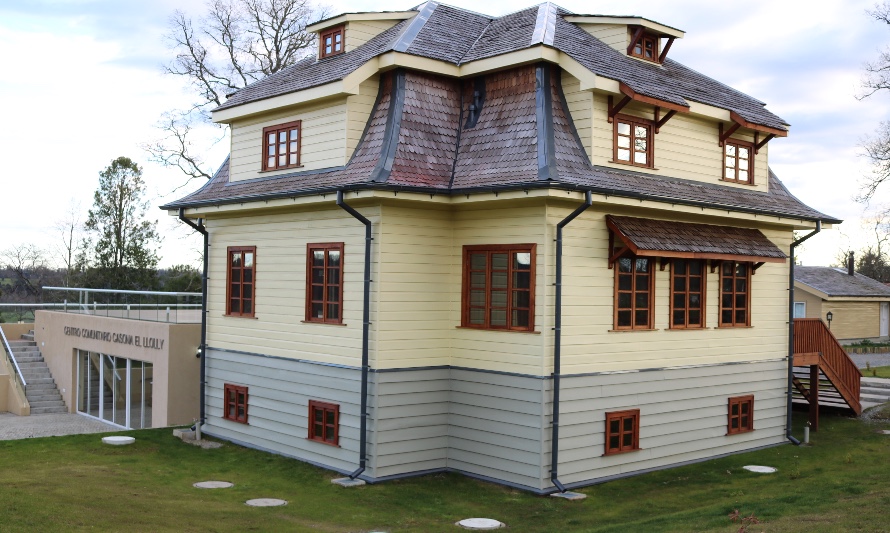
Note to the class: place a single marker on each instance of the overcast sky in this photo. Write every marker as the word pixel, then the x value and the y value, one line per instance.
pixel 82 84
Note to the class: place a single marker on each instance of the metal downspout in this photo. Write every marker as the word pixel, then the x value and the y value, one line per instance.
pixel 366 322
pixel 557 343
pixel 794 245
pixel 199 227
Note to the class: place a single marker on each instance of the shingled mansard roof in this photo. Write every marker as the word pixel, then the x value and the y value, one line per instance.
pixel 522 138
pixel 836 282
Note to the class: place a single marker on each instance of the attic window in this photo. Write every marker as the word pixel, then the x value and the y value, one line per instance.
pixel 646 47
pixel 330 41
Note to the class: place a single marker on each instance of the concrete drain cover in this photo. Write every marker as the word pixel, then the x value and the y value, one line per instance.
pixel 118 441
pixel 213 485
pixel 265 502
pixel 760 469
pixel 480 524
pixel 886 432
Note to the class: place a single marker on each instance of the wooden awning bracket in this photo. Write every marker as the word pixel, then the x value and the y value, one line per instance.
pixel 663 262
pixel 761 144
pixel 725 135
pixel 614 110
pixel 661 122
pixel 739 122
pixel 617 255
pixel 755 266
pixel 635 40
pixel 664 52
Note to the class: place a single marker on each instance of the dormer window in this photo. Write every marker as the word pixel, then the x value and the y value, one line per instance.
pixel 331 41
pixel 646 48
pixel 281 146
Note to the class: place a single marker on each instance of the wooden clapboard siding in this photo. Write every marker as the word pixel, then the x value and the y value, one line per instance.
pixel 682 416
pixel 358 110
pixel 278 328
pixel 686 147
pixel 588 345
pixel 323 143
pixel 358 32
pixel 278 401
pixel 580 104
pixel 814 303
pixel 614 35
pixel 852 319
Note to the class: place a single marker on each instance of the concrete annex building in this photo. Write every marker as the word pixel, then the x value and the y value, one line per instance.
pixel 531 249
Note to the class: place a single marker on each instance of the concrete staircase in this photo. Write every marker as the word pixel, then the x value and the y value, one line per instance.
pixel 875 391
pixel 41 390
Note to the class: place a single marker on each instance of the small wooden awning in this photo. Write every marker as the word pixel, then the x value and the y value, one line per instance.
pixel 645 237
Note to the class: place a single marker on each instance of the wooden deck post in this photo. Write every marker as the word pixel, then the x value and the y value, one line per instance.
pixel 814 398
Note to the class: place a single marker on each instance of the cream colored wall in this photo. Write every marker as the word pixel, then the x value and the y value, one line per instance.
pixel 59 353
pixel 323 145
pixel 814 303
pixel 358 110
pixel 361 31
pixel 580 104
pixel 854 320
pixel 14 332
pixel 614 35
pixel 686 146
pixel 280 240
pixel 588 345
pixel 184 378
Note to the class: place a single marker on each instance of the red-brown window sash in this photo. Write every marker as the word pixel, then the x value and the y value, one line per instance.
pixel 735 294
pixel 732 161
pixel 241 281
pixel 636 133
pixel 324 282
pixel 634 292
pixel 324 422
pixel 491 289
pixel 647 48
pixel 332 42
pixel 235 403
pixel 688 290
pixel 622 431
pixel 281 145
pixel 740 415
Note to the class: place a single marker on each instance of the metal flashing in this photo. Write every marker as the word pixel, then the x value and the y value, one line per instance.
pixel 475 108
pixel 544 117
pixel 545 25
pixel 383 168
pixel 409 33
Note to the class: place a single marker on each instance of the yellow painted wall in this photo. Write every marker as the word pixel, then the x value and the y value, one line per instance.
pixel 580 104
pixel 814 303
pixel 854 320
pixel 614 35
pixel 361 31
pixel 358 110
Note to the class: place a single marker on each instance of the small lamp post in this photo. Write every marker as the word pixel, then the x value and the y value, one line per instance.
pixel 829 316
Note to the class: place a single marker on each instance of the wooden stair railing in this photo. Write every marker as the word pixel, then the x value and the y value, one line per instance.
pixel 810 336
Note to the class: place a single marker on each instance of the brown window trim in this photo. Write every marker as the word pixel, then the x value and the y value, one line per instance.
pixel 341 29
pixel 674 293
pixel 743 144
pixel 734 293
pixel 744 426
pixel 656 44
pixel 230 251
pixel 466 306
pixel 234 396
pixel 621 416
pixel 276 130
pixel 326 247
pixel 650 140
pixel 633 292
pixel 324 407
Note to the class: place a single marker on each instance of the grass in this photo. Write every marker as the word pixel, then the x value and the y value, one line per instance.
pixel 876 372
pixel 77 483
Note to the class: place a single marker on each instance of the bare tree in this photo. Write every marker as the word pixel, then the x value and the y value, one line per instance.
pixel 69 229
pixel 877 146
pixel 28 266
pixel 236 43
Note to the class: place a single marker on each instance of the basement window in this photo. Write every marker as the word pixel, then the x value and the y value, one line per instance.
pixel 235 403
pixel 622 431
pixel 324 422
pixel 741 415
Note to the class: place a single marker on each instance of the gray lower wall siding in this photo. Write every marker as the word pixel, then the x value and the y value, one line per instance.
pixel 495 425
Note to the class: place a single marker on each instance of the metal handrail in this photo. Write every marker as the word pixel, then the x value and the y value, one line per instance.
pixel 115 291
pixel 66 305
pixel 11 357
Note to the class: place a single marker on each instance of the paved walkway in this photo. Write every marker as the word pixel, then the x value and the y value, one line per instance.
pixel 14 427
pixel 874 359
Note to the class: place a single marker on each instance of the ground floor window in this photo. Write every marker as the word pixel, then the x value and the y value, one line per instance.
pixel 622 431
pixel 115 389
pixel 236 403
pixel 324 422
pixel 741 415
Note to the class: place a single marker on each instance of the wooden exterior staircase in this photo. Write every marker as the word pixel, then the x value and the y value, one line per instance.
pixel 824 374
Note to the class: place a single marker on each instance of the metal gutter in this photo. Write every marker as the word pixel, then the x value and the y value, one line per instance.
pixel 557 343
pixel 794 245
pixel 366 322
pixel 199 227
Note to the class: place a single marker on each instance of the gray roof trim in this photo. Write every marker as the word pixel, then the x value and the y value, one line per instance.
pixel 545 25
pixel 546 144
pixel 403 42
pixel 383 168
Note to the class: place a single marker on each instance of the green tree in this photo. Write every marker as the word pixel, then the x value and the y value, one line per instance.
pixel 120 250
pixel 181 278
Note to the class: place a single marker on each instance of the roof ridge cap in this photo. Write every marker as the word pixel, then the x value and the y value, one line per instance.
pixel 545 24
pixel 406 37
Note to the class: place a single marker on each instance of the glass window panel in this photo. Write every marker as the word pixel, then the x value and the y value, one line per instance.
pixel 640 158
pixel 334 258
pixel 695 268
pixel 477 298
pixel 522 280
pixel 679 318
pixel 282 160
pixel 730 174
pixel 248 275
pixel 744 407
pixel 623 155
pixel 520 318
pixel 695 284
pixel 740 300
pixel 317 275
pixel 333 311
pixel 726 301
pixel 248 291
pixel 248 259
pixel 499 261
pixel 730 150
pixel 329 417
pixel 271 150
pixel 318 292
pixel 642 300
pixel 741 285
pixel 625 283
pixel 641 318
pixel 743 152
pixel 740 316
pixel 623 128
pixel 498 317
pixel 247 307
pixel 282 136
pixel 317 310
pixel 642 282
pixel 627 440
pixel 499 280
pixel 680 301
pixel 236 260
pixel 727 284
pixel 726 317
pixel 614 442
pixel 521 299
pixel 642 265
pixel 334 276
pixel 499 299
pixel 235 290
pixel 640 131
pixel 730 162
pixel 640 145
pixel 735 423
pixel 624 318
pixel 743 175
pixel 679 284
pixel 623 142
pixel 477 279
pixel 695 301
pixel 523 260
pixel 695 317
pixel 614 425
pixel 477 316
pixel 270 163
pixel 317 257
pixel 293 159
pixel 679 267
pixel 741 269
pixel 743 164
pixel 624 300
pixel 624 264
pixel 478 261
pixel 294 134
pixel 235 305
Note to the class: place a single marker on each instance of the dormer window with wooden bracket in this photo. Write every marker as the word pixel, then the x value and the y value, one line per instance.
pixel 633 137
pixel 332 41
pixel 647 45
pixel 738 155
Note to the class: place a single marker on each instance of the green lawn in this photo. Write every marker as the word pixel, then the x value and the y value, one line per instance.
pixel 72 483
pixel 876 372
